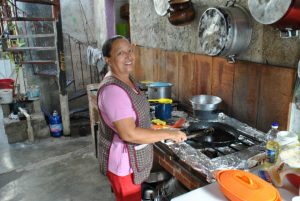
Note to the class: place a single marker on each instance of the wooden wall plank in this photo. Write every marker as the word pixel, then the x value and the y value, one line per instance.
pixel 148 59
pixel 253 93
pixel 222 82
pixel 138 71
pixel 276 92
pixel 160 66
pixel 186 78
pixel 172 72
pixel 203 74
pixel 246 91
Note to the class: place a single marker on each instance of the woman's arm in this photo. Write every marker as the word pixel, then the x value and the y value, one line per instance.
pixel 130 133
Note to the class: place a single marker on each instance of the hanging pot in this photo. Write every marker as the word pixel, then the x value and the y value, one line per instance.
pixel 181 12
pixel 283 14
pixel 224 31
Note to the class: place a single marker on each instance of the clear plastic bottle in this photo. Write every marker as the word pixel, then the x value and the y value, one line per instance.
pixel 272 146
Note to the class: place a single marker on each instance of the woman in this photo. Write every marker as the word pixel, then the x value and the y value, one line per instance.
pixel 125 137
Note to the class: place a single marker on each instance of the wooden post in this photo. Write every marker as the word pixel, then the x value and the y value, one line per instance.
pixel 63 96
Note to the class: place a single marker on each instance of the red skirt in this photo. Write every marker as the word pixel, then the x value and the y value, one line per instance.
pixel 124 188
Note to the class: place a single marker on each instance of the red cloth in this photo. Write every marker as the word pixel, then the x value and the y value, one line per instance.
pixel 124 188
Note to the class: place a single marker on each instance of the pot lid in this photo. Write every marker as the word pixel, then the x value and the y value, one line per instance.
pixel 160 84
pixel 161 7
pixel 240 185
pixel 269 11
pixel 212 31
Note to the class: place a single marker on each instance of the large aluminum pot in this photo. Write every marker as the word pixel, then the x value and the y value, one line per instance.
pixel 205 102
pixel 224 31
pixel 157 90
pixel 280 13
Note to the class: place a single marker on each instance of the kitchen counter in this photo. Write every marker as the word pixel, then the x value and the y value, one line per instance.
pixel 212 192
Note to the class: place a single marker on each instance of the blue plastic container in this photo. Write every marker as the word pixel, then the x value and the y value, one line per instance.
pixel 163 111
pixel 55 125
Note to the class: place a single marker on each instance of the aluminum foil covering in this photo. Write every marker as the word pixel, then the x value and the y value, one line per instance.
pixel 207 166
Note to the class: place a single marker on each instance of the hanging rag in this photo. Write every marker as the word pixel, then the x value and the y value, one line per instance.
pixel 93 55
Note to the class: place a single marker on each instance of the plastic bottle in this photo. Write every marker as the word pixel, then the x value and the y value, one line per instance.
pixel 272 146
pixel 55 124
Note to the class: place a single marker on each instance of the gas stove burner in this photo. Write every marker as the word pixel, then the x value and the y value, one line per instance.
pixel 216 139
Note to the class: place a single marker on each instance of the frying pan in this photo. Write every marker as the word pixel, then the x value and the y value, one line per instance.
pixel 221 135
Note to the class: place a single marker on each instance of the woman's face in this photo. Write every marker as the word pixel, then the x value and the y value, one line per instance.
pixel 122 57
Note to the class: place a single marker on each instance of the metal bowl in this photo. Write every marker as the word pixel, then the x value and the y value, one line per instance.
pixel 205 102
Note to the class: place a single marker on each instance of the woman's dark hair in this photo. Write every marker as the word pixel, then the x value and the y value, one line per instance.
pixel 106 48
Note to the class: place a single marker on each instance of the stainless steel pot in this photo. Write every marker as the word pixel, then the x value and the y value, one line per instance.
pixel 280 13
pixel 155 177
pixel 205 102
pixel 224 31
pixel 157 90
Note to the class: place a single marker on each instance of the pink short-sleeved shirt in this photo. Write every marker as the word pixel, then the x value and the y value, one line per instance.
pixel 115 104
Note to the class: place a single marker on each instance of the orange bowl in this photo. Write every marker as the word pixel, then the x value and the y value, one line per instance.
pixel 294 179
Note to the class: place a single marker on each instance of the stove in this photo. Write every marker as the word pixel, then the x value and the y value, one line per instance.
pixel 216 139
pixel 222 143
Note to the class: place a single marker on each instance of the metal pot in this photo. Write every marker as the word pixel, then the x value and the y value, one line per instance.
pixel 155 177
pixel 205 102
pixel 157 90
pixel 148 194
pixel 205 107
pixel 283 14
pixel 181 13
pixel 224 31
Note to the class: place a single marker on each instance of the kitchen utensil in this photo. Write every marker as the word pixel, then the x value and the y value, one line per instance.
pixel 157 90
pixel 161 7
pixel 221 135
pixel 238 185
pixel 200 132
pixel 224 31
pixel 279 13
pixel 178 123
pixel 181 13
pixel 205 102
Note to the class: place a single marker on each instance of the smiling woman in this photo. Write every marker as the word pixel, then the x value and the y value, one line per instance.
pixel 125 138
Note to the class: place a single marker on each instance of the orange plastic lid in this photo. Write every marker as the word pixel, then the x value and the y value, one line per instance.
pixel 238 185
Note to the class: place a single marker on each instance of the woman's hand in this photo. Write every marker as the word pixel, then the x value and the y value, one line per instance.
pixel 177 136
